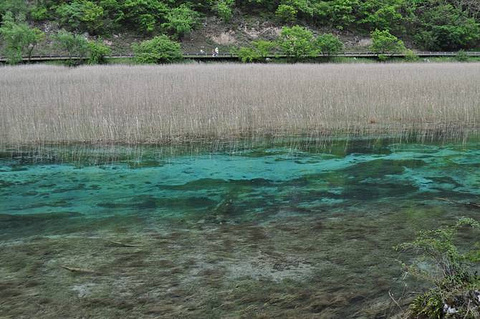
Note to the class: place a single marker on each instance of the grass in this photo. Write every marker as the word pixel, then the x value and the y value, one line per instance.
pixel 163 104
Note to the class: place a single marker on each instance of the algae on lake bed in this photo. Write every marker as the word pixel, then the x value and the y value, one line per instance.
pixel 276 233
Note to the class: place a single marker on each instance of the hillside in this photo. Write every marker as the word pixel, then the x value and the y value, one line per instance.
pixel 436 25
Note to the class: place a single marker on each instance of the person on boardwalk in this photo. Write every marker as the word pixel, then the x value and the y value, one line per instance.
pixel 215 51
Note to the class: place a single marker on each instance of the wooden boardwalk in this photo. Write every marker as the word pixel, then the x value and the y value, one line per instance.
pixel 232 57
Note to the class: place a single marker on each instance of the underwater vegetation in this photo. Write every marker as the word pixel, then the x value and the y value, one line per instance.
pixel 290 230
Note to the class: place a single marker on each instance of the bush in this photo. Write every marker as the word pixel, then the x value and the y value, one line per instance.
pixel 286 13
pixel 264 48
pixel 440 263
pixel 160 49
pixel 143 15
pixel 81 15
pixel 97 51
pixel 75 45
pixel 181 20
pixel 383 42
pixel 18 38
pixel 329 44
pixel 297 42
pixel 224 9
pixel 461 56
pixel 382 57
pixel 259 51
pixel 246 54
pixel 410 56
pixel 39 13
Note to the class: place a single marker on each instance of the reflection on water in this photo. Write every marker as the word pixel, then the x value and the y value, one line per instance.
pixel 276 231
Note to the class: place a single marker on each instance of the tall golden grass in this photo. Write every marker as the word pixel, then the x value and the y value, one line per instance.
pixel 163 104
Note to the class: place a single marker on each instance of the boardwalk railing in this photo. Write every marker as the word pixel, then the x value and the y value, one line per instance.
pixel 227 56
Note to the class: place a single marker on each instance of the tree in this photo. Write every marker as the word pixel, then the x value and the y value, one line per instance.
pixel 75 45
pixel 81 15
pixel 246 54
pixel 329 44
pixel 18 8
pixel 144 14
pixel 264 48
pixel 97 51
pixel 258 52
pixel 444 27
pixel 224 9
pixel 19 38
pixel 383 42
pixel 297 42
pixel 181 20
pixel 160 49
pixel 286 13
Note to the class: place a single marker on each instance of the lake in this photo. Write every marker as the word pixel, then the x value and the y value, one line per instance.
pixel 286 229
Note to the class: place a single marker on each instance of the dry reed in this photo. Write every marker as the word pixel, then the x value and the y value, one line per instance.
pixel 162 104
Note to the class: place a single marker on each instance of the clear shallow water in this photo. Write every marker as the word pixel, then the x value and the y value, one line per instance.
pixel 275 231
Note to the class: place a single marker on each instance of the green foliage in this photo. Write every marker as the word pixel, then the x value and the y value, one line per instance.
pixel 261 49
pixel 444 27
pixel 246 54
pixel 410 56
pixel 97 51
pixel 297 42
pixel 448 25
pixel 383 15
pixel 160 49
pixel 442 264
pixel 286 13
pixel 224 9
pixel 81 15
pixel 461 56
pixel 383 42
pixel 19 38
pixel 329 44
pixel 341 13
pixel 17 8
pixel 74 45
pixel 39 13
pixel 181 20
pixel 264 48
pixel 143 14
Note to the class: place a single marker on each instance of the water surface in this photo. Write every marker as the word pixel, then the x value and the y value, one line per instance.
pixel 263 231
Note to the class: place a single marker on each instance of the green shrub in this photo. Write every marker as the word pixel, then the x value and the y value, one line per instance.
pixel 382 57
pixel 39 13
pixel 448 270
pixel 74 45
pixel 297 42
pixel 383 42
pixel 286 13
pixel 18 8
pixel 18 38
pixel 81 15
pixel 180 20
pixel 224 9
pixel 143 15
pixel 329 44
pixel 259 51
pixel 461 56
pixel 160 49
pixel 246 54
pixel 263 47
pixel 97 52
pixel 410 56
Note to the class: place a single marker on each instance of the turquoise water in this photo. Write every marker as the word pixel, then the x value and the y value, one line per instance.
pixel 279 231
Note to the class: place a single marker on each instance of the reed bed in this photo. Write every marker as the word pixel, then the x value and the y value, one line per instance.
pixel 137 105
